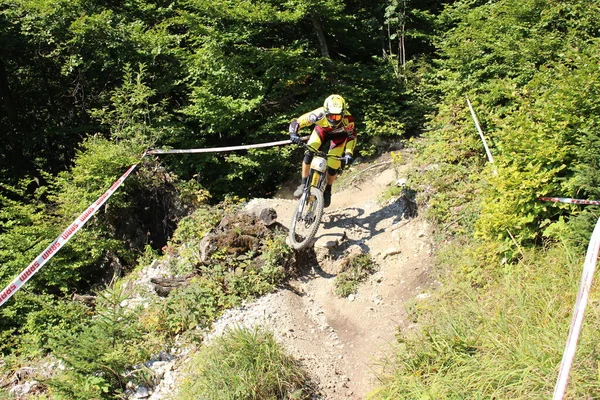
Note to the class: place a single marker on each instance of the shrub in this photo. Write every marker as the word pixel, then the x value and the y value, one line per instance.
pixel 198 304
pixel 98 353
pixel 222 282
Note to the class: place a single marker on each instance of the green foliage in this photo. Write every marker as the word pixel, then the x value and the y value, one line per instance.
pixel 32 216
pixel 499 341
pixel 223 284
pixel 193 227
pixel 79 387
pixel 192 74
pixel 393 192
pixel 132 115
pixel 355 269
pixel 530 70
pixel 147 257
pixel 224 277
pixel 536 98
pixel 245 364
pixel 548 149
pixel 98 353
pixel 97 165
pixel 47 318
pixel 62 59
pixel 25 228
pixel 410 26
pixel 449 194
pixel 276 255
pixel 198 304
pixel 33 319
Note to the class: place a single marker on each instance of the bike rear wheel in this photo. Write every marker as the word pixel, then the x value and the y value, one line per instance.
pixel 306 219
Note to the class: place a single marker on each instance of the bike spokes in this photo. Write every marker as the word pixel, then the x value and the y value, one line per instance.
pixel 306 219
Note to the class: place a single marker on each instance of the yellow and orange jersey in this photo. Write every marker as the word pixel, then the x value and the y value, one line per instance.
pixel 318 118
pixel 343 136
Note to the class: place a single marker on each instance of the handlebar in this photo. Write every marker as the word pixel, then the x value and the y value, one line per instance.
pixel 320 153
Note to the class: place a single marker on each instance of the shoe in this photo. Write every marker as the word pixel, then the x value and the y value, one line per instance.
pixel 299 191
pixel 326 199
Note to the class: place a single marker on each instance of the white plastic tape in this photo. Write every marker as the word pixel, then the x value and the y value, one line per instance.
pixel 589 267
pixel 219 149
pixel 63 238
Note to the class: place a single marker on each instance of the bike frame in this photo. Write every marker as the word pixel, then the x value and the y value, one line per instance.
pixel 306 213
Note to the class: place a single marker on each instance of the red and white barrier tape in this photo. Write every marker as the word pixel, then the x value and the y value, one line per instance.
pixel 219 149
pixel 570 201
pixel 63 238
pixel 589 267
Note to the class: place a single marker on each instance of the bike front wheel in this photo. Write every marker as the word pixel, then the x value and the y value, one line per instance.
pixel 306 218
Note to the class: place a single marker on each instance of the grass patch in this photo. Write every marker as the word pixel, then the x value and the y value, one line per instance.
pixel 503 340
pixel 392 192
pixel 245 364
pixel 354 270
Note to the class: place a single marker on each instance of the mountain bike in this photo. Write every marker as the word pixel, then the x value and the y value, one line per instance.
pixel 307 217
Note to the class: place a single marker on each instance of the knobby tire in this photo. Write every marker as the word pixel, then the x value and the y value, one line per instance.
pixel 297 241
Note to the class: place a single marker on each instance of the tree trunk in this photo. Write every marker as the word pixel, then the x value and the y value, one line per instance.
pixel 320 34
pixel 401 44
pixel 403 47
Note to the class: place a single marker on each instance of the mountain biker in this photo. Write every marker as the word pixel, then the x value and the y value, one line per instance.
pixel 333 122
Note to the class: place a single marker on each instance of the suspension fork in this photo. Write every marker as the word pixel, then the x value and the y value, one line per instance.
pixel 309 185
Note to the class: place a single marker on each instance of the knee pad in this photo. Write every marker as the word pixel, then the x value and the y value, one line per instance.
pixel 308 156
pixel 332 171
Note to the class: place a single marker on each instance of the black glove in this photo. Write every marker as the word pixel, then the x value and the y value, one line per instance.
pixel 293 129
pixel 348 159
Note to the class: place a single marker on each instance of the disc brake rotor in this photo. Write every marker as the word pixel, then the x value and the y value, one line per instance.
pixel 308 220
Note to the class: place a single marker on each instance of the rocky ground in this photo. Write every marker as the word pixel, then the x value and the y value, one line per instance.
pixel 343 342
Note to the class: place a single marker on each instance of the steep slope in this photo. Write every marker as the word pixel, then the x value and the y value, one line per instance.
pixel 341 340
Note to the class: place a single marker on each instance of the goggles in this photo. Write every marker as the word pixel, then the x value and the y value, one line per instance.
pixel 334 117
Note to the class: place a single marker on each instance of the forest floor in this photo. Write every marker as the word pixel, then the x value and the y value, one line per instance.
pixel 343 342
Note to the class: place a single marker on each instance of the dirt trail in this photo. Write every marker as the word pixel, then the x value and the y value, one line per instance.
pixel 340 340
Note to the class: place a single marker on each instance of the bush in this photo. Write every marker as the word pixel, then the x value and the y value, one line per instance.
pixel 98 353
pixel 224 278
pixel 198 304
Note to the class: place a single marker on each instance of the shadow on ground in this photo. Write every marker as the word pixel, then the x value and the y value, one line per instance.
pixel 354 226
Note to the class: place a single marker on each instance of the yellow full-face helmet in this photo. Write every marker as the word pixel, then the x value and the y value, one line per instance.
pixel 335 108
